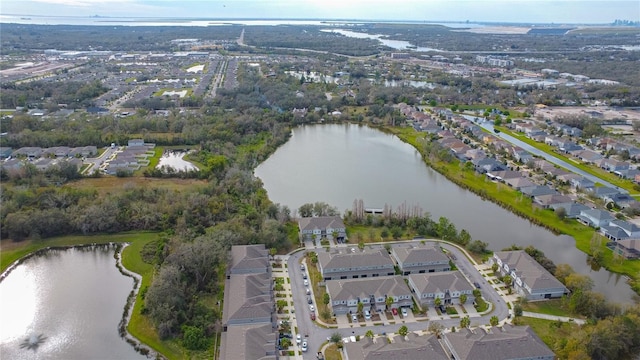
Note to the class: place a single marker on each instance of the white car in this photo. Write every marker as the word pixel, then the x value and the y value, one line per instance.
pixel 311 308
pixel 405 313
pixel 298 339
pixel 304 346
pixel 354 318
pixel 306 282
pixel 367 315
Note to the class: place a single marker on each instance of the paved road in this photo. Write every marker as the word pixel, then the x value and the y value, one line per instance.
pixel 318 335
pixel 97 161
pixel 489 126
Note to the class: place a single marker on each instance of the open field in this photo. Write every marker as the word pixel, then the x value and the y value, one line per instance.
pixel 107 184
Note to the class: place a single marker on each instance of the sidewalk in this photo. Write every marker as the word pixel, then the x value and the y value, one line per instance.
pixel 553 317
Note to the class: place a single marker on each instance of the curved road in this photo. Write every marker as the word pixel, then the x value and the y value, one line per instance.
pixel 318 335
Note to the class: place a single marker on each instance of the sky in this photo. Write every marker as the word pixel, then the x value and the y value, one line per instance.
pixel 517 11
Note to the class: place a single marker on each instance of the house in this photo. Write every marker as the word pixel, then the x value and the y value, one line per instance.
pixel 420 259
pixel 572 209
pixel 621 200
pixel 43 164
pixel 488 165
pixel 248 314
pixel 372 293
pixel 595 217
pixel 520 183
pixel 545 201
pixel 411 347
pixel 530 279
pixel 12 164
pixel 628 248
pixel 582 183
pixel 84 151
pixel 249 259
pixel 353 264
pixel 619 230
pixel 537 190
pixel 135 142
pixel 321 227
pixel 248 342
pixel 29 152
pixel 505 343
pixel 603 191
pixel 448 286
pixel 57 151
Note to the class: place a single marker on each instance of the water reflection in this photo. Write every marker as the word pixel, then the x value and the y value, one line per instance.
pixel 174 160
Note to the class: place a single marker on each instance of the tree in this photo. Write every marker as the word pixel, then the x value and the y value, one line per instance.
pixel 494 321
pixel 463 298
pixel 305 210
pixel 194 338
pixel 561 213
pixel 494 267
pixel 388 301
pixel 437 301
pixel 369 334
pixel 436 329
pixel 403 331
pixel 326 299
pixel 280 304
pixel 360 307
pixel 335 338
pixel 465 322
pixel 507 280
pixel 517 310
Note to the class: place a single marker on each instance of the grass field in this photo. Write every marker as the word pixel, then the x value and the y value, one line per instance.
pixel 110 183
pixel 332 353
pixel 550 307
pixel 548 330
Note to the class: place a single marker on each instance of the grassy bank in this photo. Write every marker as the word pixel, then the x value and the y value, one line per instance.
pixel 548 330
pixel 14 251
pixel 140 326
pixel 515 202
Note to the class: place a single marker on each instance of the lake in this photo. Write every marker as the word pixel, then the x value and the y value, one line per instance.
pixel 337 163
pixel 73 298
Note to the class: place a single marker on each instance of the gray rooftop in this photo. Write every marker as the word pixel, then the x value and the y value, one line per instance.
pixel 363 288
pixel 320 222
pixel 249 342
pixel 506 343
pixel 529 270
pixel 440 282
pixel 248 298
pixel 352 261
pixel 249 258
pixel 414 347
pixel 412 254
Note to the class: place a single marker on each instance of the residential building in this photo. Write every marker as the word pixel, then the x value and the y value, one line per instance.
pixel 627 248
pixel 530 279
pixel 372 293
pixel 248 314
pixel 505 343
pixel 572 209
pixel 353 264
pixel 619 230
pixel 5 152
pixel 595 217
pixel 411 347
pixel 420 258
pixel 448 286
pixel 321 227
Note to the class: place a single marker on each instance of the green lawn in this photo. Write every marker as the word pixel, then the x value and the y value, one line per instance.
pixel 550 307
pixel 548 330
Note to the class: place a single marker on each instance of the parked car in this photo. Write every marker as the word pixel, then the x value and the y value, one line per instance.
pixel 313 316
pixel 304 346
pixel 477 285
pixel 302 267
pixel 394 311
pixel 306 282
pixel 304 275
pixel 312 308
pixel 367 315
pixel 308 291
pixel 405 313
pixel 354 318
pixel 298 339
pixel 309 301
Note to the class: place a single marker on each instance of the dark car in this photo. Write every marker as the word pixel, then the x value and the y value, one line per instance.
pixel 394 311
pixel 313 316
pixel 477 285
pixel 309 301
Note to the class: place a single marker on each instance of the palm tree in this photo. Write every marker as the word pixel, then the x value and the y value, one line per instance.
pixel 403 331
pixel 494 321
pixel 389 302
pixel 465 322
pixel 369 334
pixel 437 301
pixel 360 307
pixel 463 299
pixel 436 329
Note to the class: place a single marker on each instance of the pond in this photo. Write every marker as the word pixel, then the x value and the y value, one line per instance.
pixel 175 160
pixel 65 304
